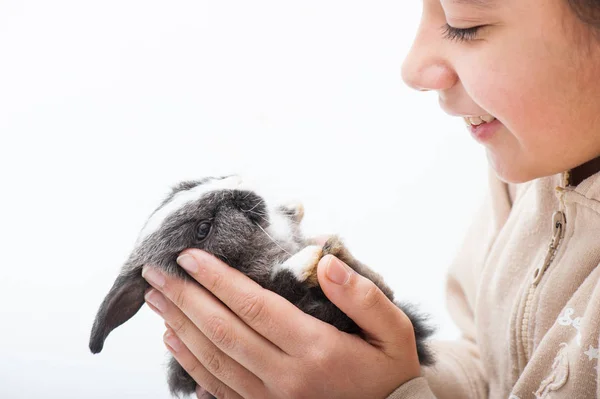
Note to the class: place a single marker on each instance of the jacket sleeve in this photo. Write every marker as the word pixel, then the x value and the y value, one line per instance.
pixel 458 372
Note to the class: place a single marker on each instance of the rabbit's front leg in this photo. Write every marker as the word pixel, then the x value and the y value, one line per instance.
pixel 302 265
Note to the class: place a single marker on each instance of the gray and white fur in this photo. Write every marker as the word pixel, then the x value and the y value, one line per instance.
pixel 220 216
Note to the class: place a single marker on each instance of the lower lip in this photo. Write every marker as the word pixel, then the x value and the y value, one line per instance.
pixel 485 131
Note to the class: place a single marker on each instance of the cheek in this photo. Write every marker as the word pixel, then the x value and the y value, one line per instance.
pixel 499 91
pixel 523 90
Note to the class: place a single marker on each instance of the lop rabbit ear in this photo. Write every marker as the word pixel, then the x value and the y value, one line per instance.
pixel 124 299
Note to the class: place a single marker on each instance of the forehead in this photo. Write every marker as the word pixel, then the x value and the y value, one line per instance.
pixel 183 195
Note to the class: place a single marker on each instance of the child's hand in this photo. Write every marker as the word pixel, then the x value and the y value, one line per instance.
pixel 256 344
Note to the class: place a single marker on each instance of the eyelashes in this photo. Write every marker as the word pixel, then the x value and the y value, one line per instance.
pixel 461 35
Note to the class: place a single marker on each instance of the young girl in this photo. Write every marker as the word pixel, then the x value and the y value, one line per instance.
pixel 525 286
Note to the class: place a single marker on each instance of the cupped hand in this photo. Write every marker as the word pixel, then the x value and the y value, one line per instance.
pixel 237 339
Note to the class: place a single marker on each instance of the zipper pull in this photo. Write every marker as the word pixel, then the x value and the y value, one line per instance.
pixel 558 232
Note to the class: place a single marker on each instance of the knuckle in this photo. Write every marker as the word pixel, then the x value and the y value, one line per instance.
pixel 179 299
pixel 213 362
pixel 179 326
pixel 220 392
pixel 252 309
pixel 194 369
pixel 372 297
pixel 216 283
pixel 208 383
pixel 219 333
pixel 406 329
pixel 320 358
pixel 215 388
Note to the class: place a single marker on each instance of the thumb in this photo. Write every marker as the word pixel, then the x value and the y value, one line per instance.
pixel 381 320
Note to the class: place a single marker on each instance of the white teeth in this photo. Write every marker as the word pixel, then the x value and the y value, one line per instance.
pixel 478 120
pixel 475 120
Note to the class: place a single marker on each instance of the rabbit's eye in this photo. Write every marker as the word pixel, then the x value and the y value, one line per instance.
pixel 203 230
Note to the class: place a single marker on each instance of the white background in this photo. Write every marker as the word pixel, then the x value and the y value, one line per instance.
pixel 105 104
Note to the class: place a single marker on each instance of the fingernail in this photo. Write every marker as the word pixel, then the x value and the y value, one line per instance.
pixel 156 299
pixel 188 263
pixel 153 276
pixel 172 342
pixel 337 272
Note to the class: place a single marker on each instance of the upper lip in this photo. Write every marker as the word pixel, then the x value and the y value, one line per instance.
pixel 468 114
pixel 463 114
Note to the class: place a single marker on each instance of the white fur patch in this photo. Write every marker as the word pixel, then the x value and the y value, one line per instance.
pixel 279 226
pixel 302 263
pixel 182 198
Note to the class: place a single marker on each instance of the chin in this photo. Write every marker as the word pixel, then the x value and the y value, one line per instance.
pixel 512 172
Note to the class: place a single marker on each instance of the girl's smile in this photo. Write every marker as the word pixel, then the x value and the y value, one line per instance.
pixel 525 63
pixel 481 130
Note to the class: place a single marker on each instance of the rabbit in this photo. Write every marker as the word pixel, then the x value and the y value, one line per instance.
pixel 221 216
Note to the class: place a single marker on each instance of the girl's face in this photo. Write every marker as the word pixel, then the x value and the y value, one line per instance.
pixel 531 64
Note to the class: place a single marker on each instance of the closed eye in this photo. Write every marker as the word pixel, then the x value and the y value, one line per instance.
pixel 203 229
pixel 461 35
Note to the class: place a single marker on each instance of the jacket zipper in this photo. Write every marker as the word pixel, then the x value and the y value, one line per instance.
pixel 558 232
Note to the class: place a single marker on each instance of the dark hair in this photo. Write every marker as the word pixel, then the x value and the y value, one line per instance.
pixel 588 11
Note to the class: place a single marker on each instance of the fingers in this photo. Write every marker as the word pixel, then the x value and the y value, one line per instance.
pixel 212 359
pixel 195 369
pixel 269 314
pixel 221 341
pixel 202 393
pixel 383 322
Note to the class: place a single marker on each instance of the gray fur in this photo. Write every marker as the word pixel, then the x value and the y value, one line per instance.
pixel 239 237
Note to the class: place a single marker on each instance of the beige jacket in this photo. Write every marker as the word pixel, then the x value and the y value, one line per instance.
pixel 524 290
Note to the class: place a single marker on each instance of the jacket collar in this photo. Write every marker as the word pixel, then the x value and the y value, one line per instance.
pixel 578 174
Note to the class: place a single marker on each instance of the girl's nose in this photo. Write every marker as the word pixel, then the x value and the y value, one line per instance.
pixel 425 68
